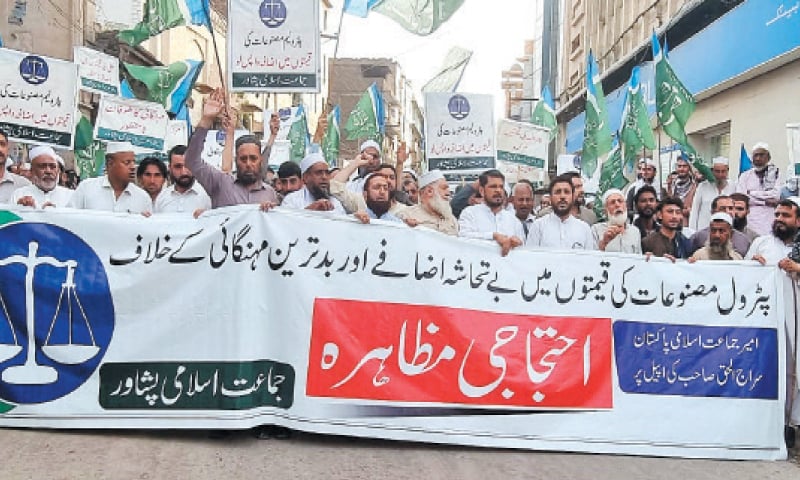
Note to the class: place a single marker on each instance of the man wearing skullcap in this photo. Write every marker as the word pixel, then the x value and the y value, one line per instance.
pixel 707 191
pixel 433 210
pixel 615 235
pixel 719 246
pixel 116 191
pixel 315 194
pixel 762 184
pixel 370 152
pixel 45 191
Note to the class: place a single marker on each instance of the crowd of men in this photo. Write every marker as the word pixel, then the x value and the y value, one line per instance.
pixel 691 219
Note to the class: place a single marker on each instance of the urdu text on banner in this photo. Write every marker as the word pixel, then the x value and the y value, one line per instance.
pixel 459 131
pixel 325 325
pixel 143 124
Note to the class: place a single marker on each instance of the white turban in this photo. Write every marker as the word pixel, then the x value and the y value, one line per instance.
pixel 310 160
pixel 430 177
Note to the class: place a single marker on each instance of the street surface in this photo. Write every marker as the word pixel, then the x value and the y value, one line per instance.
pixel 55 455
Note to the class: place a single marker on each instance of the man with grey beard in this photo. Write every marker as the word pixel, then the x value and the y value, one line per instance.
pixel 45 191
pixel 719 246
pixel 433 210
pixel 615 235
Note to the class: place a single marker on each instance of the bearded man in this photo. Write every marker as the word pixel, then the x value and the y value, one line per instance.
pixel 433 210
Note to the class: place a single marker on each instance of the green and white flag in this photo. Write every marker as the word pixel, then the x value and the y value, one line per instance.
pixel 635 130
pixel 89 153
pixel 544 114
pixel 674 102
pixel 449 75
pixel 596 134
pixel 367 120
pixel 170 86
pixel 161 15
pixel 298 135
pixel 611 176
pixel 421 17
pixel 332 137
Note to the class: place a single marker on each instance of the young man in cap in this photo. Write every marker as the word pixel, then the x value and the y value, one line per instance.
pixel 762 184
pixel 116 191
pixel 45 191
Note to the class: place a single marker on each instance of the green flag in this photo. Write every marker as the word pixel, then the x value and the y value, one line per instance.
pixel 367 119
pixel 160 15
pixel 89 154
pixel 421 17
pixel 674 102
pixel 544 114
pixel 635 131
pixel 330 141
pixel 611 176
pixel 298 135
pixel 596 133
pixel 170 86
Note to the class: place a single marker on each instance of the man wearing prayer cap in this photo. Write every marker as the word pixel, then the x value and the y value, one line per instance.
pixel 615 235
pixel 719 245
pixel 315 194
pixel 116 191
pixel 707 191
pixel 8 181
pixel 738 240
pixel 646 177
pixel 368 160
pixel 45 191
pixel 762 184
pixel 433 210
pixel 248 186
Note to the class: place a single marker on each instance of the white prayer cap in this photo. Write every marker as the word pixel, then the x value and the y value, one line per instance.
pixel 369 143
pixel 118 147
pixel 763 145
pixel 648 161
pixel 429 177
pixel 612 191
pixel 310 160
pixel 40 150
pixel 410 172
pixel 723 217
pixel 720 161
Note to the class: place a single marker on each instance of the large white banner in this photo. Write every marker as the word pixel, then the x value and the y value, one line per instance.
pixel 459 131
pixel 242 318
pixel 273 46
pixel 99 73
pixel 38 98
pixel 143 124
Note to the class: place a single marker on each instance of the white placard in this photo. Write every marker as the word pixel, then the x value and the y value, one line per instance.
pixel 273 46
pixel 215 143
pixel 459 131
pixel 177 134
pixel 98 72
pixel 522 144
pixel 143 124
pixel 38 98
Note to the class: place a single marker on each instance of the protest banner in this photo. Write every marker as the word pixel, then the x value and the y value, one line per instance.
pixel 38 98
pixel 98 72
pixel 322 324
pixel 273 46
pixel 143 124
pixel 522 143
pixel 459 131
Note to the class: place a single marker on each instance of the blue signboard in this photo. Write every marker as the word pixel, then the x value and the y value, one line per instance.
pixel 751 34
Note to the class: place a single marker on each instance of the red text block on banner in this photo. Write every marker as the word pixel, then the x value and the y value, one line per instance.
pixel 416 354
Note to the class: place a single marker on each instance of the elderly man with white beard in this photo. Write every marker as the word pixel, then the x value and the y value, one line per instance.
pixel 615 235
pixel 45 191
pixel 433 210
pixel 719 245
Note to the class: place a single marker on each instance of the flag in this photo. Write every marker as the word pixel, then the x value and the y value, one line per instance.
pixel 744 161
pixel 611 176
pixel 420 17
pixel 597 139
pixel 170 86
pixel 125 90
pixel 298 135
pixel 359 8
pixel 451 71
pixel 184 115
pixel 89 154
pixel 330 141
pixel 674 102
pixel 367 120
pixel 160 15
pixel 635 131
pixel 544 114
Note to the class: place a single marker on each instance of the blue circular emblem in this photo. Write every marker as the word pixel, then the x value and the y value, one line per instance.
pixel 273 13
pixel 56 312
pixel 284 114
pixel 221 137
pixel 34 70
pixel 458 106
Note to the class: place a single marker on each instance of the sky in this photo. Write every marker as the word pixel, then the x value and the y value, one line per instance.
pixel 495 34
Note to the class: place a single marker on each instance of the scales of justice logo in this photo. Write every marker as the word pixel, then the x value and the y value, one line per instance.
pixel 34 70
pixel 273 13
pixel 56 312
pixel 458 106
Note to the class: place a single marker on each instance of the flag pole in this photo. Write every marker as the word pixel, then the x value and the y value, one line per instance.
pixel 216 48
